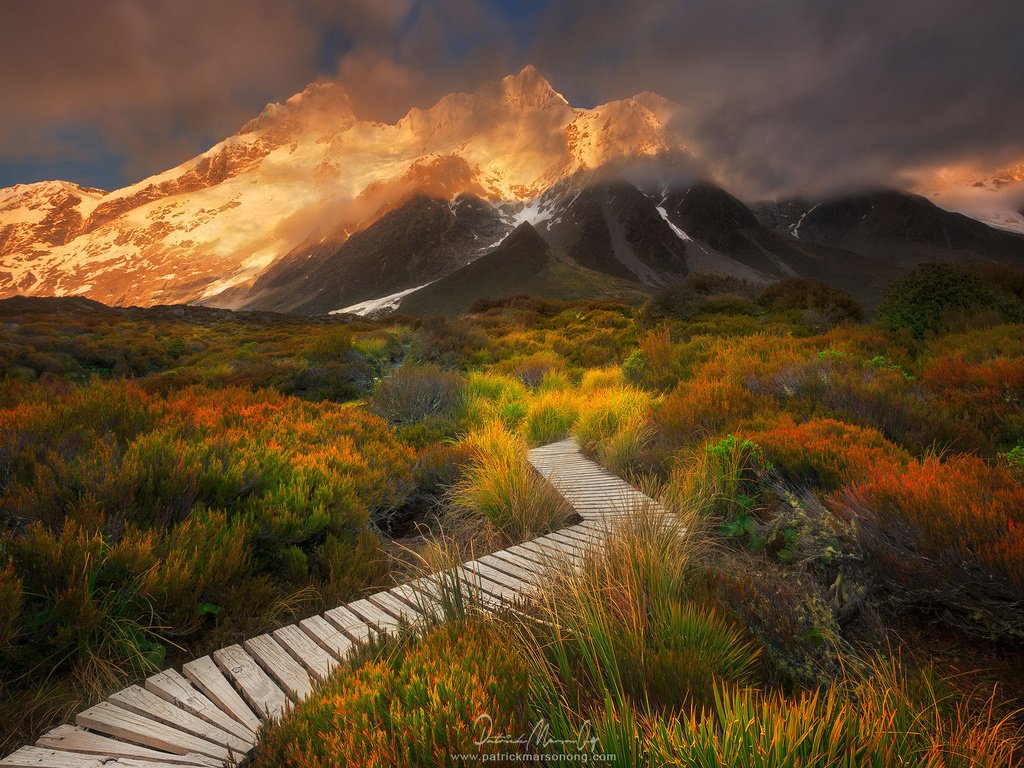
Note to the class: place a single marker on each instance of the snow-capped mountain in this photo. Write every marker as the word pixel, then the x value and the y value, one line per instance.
pixel 304 173
pixel 509 189
pixel 993 197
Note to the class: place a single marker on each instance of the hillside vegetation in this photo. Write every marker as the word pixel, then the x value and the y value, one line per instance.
pixel 848 591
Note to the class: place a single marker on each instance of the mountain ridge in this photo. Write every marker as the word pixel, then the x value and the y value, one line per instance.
pixel 309 168
pixel 309 208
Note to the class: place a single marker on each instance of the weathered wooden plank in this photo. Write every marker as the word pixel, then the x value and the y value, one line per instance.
pixel 289 673
pixel 491 574
pixel 571 543
pixel 146 703
pixel 305 651
pixel 71 739
pixel 208 678
pixel 582 534
pixel 353 625
pixel 130 762
pixel 487 584
pixel 528 577
pixel 489 597
pixel 327 636
pixel 588 541
pixel 524 558
pixel 395 606
pixel 374 616
pixel 37 757
pixel 419 601
pixel 255 685
pixel 123 724
pixel 555 552
pixel 173 687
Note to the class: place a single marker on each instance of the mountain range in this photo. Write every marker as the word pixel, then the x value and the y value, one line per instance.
pixel 506 190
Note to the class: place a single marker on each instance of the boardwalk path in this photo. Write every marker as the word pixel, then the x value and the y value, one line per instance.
pixel 207 714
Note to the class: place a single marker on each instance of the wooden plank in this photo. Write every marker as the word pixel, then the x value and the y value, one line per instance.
pixel 348 622
pixel 122 724
pixel 419 601
pixel 282 667
pixel 484 591
pixel 571 543
pixel 395 606
pixel 374 616
pixel 146 703
pixel 72 739
pixel 327 636
pixel 528 577
pixel 208 678
pixel 491 574
pixel 487 578
pixel 255 685
pixel 553 552
pixel 171 686
pixel 583 534
pixel 304 650
pixel 130 762
pixel 486 598
pixel 530 562
pixel 37 757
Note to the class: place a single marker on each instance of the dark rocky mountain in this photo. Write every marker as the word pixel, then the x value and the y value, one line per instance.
pixel 524 263
pixel 615 228
pixel 897 228
pixel 603 238
pixel 417 243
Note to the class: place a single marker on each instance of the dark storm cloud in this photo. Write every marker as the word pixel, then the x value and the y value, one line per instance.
pixel 777 96
pixel 811 93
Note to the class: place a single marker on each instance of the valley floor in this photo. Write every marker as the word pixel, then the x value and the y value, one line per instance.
pixel 176 480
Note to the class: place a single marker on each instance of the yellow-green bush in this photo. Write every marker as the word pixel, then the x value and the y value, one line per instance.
pixel 500 485
pixel 413 706
pixel 135 520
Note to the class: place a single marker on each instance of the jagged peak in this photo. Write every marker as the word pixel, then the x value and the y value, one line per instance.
pixel 50 187
pixel 325 100
pixel 529 88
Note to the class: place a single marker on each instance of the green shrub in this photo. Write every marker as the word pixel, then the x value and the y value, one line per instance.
pixel 819 305
pixel 931 295
pixel 414 393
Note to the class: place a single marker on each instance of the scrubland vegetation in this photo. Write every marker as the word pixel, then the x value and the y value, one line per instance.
pixel 849 589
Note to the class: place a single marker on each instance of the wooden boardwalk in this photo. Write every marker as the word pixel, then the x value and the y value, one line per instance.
pixel 207 714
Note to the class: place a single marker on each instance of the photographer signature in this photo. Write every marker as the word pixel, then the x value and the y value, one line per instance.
pixel 539 736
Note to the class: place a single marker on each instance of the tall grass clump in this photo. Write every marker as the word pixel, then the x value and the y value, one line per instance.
pixel 630 624
pixel 614 425
pixel 500 485
pixel 494 396
pixel 885 716
pixel 551 416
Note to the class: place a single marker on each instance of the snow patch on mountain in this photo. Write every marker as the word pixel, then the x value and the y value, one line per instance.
pixel 679 232
pixel 383 304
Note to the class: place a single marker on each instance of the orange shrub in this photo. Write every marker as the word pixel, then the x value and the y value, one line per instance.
pixel 987 395
pixel 697 409
pixel 823 452
pixel 960 521
pixel 127 513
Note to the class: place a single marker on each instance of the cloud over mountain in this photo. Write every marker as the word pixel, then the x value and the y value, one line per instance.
pixel 780 96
